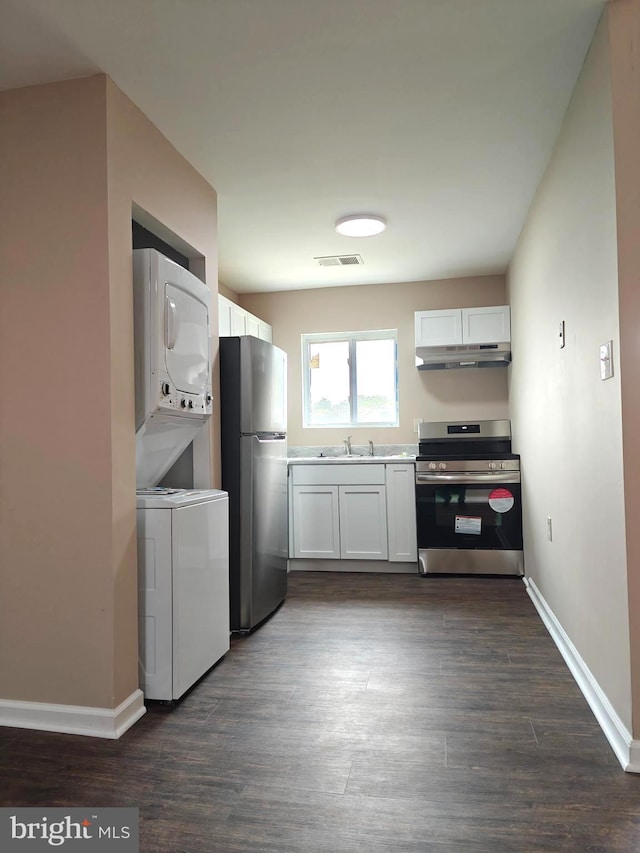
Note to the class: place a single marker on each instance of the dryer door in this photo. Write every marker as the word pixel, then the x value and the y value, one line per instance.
pixel 186 325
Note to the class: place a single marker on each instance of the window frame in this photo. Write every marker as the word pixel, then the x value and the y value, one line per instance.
pixel 352 338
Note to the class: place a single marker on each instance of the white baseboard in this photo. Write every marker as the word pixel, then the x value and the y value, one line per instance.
pixel 626 749
pixel 73 719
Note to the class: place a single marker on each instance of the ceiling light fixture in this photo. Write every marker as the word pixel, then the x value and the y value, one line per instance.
pixel 360 225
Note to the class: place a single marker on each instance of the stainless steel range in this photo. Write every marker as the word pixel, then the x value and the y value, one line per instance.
pixel 468 499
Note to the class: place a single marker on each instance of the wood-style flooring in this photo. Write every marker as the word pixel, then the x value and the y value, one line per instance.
pixel 370 713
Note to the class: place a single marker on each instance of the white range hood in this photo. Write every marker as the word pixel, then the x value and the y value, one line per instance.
pixel 447 357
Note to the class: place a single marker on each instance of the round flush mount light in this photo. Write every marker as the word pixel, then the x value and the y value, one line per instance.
pixel 360 225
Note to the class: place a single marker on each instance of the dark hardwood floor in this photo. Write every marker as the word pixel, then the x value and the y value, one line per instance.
pixel 370 713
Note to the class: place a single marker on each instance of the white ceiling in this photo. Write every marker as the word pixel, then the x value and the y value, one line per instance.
pixel 438 114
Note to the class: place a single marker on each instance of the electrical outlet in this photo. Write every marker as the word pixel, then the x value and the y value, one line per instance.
pixel 549 529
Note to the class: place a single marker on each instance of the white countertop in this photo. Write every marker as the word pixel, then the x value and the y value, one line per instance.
pixel 349 460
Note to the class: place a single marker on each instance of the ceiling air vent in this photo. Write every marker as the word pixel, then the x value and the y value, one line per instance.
pixel 339 260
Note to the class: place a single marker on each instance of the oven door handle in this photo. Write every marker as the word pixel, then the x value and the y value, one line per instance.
pixel 463 479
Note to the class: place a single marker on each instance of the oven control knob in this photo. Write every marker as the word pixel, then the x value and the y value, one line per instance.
pixel 492 466
pixel 166 389
pixel 503 465
pixel 183 403
pixel 432 466
pixel 442 466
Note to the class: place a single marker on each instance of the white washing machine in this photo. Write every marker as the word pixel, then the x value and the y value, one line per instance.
pixel 183 587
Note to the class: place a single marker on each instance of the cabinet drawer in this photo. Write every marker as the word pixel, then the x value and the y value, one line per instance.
pixel 348 474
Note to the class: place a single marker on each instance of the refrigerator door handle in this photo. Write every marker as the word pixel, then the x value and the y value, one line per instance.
pixel 273 439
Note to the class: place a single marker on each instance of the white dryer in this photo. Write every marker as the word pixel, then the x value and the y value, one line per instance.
pixel 172 337
pixel 183 587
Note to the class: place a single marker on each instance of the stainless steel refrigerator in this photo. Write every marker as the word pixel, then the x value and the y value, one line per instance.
pixel 253 411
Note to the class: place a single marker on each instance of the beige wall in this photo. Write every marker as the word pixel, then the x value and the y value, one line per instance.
pixel 624 40
pixel 74 156
pixel 56 601
pixel 566 421
pixel 432 395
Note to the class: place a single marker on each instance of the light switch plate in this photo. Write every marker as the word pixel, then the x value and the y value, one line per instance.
pixel 606 360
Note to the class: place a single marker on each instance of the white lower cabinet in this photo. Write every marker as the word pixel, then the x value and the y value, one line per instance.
pixel 338 512
pixel 353 511
pixel 315 522
pixel 339 522
pixel 401 513
pixel 363 522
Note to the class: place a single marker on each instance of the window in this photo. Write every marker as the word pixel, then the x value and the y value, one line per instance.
pixel 350 379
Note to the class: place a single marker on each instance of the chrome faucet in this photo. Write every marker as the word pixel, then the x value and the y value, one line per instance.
pixel 347 445
pixel 371 453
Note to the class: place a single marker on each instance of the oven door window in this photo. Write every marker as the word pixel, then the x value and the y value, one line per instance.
pixel 469 516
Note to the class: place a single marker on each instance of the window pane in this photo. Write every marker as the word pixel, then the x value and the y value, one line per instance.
pixel 376 381
pixel 329 382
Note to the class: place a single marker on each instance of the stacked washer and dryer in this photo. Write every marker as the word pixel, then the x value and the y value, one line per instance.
pixel 183 534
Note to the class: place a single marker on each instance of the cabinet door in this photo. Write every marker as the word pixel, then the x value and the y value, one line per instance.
pixel 238 320
pixel 315 522
pixel 486 325
pixel 363 523
pixel 401 513
pixel 439 328
pixel 265 331
pixel 224 316
pixel 252 325
pixel 257 327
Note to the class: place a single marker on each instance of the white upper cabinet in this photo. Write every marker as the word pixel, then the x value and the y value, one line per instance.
pixel 456 326
pixel 224 317
pixel 257 327
pixel 234 320
pixel 265 332
pixel 252 325
pixel 438 328
pixel 238 320
pixel 486 325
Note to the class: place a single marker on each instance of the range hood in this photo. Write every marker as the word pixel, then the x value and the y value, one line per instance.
pixel 475 355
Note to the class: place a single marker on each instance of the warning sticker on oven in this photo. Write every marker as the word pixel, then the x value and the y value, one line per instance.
pixel 468 524
pixel 501 500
